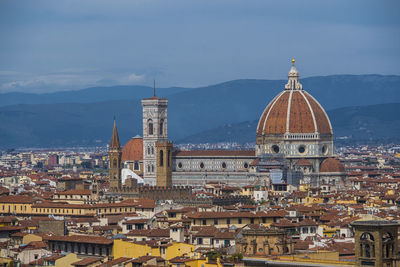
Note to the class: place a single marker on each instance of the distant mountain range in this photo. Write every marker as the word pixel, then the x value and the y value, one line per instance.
pixel 85 117
pixel 350 124
pixel 88 95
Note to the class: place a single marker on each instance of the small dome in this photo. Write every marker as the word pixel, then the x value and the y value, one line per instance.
pixel 331 165
pixel 133 149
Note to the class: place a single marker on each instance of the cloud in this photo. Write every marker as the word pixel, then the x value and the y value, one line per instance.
pixel 49 82
pixel 70 79
pixel 134 78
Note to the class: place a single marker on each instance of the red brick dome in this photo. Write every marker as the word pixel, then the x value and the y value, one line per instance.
pixel 331 165
pixel 294 111
pixel 133 149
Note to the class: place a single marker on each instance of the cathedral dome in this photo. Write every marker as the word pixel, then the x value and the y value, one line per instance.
pixel 331 165
pixel 133 149
pixel 294 111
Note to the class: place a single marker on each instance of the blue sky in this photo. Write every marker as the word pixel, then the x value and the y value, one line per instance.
pixel 59 45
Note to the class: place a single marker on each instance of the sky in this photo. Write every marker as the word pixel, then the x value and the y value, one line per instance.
pixel 48 45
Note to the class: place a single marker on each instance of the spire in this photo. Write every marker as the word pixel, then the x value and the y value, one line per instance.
pixel 154 87
pixel 293 78
pixel 115 139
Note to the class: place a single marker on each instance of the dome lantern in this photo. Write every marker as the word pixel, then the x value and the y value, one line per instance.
pixel 293 79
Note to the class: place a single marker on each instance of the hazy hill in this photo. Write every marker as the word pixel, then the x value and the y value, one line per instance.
pixel 88 95
pixel 191 111
pixel 354 89
pixel 375 122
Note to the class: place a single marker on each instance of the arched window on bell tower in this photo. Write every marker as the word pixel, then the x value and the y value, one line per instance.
pixel 161 157
pixel 162 127
pixel 150 126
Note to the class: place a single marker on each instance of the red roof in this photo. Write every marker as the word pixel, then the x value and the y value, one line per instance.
pixel 306 115
pixel 88 239
pixel 331 165
pixel 133 150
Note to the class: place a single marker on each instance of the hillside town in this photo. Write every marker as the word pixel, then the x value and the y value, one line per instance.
pixel 55 211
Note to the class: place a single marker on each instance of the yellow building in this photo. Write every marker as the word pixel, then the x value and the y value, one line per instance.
pixel 162 249
pixel 23 205
pixel 58 260
pixel 239 219
pixel 16 205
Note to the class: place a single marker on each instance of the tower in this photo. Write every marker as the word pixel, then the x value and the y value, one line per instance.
pixel 164 164
pixel 114 156
pixel 154 130
pixel 376 243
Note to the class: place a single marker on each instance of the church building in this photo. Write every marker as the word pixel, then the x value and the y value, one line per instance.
pixel 293 125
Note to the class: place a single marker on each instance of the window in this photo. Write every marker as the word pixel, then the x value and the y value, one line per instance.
pixel 115 163
pixel 201 165
pixel 129 226
pixel 150 126
pixel 161 157
pixel 245 165
pixel 204 222
pixel 223 165
pixel 168 161
pixel 180 165
pixel 240 220
pixel 161 127
pixel 199 240
pixel 228 221
pixel 367 251
pixel 152 168
pixel 252 220
pixel 275 149
pixel 215 221
pixel 302 149
pixel 136 166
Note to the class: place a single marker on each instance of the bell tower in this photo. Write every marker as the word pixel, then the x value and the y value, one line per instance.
pixel 164 164
pixel 114 156
pixel 376 242
pixel 154 130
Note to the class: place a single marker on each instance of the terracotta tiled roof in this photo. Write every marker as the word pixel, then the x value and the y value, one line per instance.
pixel 86 261
pixel 303 162
pixel 208 215
pixel 331 165
pixel 17 199
pixel 88 239
pixel 133 150
pixel 303 110
pixel 115 262
pixel 75 192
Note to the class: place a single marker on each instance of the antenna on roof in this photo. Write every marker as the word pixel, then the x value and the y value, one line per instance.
pixel 154 87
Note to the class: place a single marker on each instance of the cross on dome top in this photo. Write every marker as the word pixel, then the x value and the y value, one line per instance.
pixel 293 78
